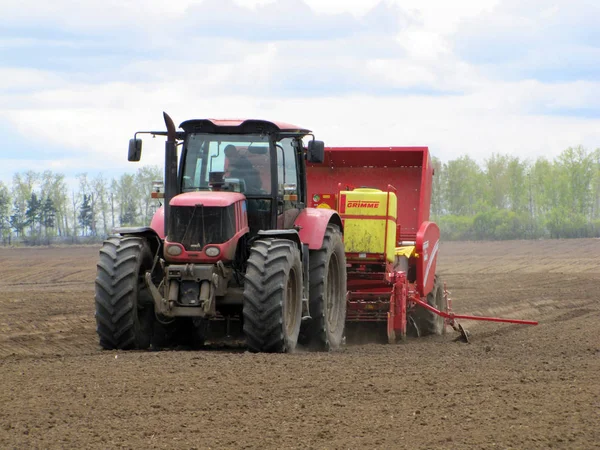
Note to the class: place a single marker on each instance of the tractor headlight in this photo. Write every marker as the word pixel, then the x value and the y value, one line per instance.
pixel 174 250
pixel 212 251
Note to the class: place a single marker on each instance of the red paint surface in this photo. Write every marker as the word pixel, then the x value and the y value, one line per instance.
pixel 407 169
pixel 427 247
pixel 283 126
pixel 158 222
pixel 227 249
pixel 207 198
pixel 313 223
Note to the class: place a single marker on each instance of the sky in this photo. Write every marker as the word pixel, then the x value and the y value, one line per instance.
pixel 77 79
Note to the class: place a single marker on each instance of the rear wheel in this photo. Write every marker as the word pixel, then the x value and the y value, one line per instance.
pixel 327 297
pixel 273 296
pixel 427 321
pixel 124 308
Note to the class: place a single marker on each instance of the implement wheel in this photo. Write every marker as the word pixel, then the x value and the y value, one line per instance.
pixel 427 321
pixel 327 298
pixel 124 308
pixel 273 296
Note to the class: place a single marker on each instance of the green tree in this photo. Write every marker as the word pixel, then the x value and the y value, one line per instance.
pixel 101 204
pixel 127 198
pixel 18 219
pixel 464 180
pixel 23 186
pixel 86 216
pixel 48 217
pixel 496 175
pixel 54 187
pixel 5 201
pixel 33 214
pixel 517 185
pixel 437 188
pixel 86 190
pixel 576 170
pixel 143 181
pixel 545 192
pixel 128 214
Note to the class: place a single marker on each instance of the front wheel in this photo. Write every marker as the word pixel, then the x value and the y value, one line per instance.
pixel 273 296
pixel 124 308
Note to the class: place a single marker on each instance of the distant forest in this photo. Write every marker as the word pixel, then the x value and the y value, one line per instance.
pixel 512 198
pixel 506 197
pixel 39 208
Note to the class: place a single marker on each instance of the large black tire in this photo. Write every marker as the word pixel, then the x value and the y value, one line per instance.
pixel 124 309
pixel 273 296
pixel 327 296
pixel 427 321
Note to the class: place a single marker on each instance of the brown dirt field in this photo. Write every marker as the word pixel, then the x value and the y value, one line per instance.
pixel 512 387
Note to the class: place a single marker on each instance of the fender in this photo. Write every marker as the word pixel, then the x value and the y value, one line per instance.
pixel 150 234
pixel 291 235
pixel 312 224
pixel 427 246
pixel 158 222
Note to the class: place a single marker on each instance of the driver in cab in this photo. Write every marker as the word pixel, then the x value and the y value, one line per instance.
pixel 239 166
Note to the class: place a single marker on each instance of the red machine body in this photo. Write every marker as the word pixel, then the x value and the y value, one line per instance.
pixel 312 224
pixel 407 169
pixel 210 199
pixel 379 291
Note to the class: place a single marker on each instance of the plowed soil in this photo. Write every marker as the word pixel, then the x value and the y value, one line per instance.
pixel 513 386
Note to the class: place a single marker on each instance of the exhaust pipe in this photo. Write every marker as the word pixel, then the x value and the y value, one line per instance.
pixel 170 168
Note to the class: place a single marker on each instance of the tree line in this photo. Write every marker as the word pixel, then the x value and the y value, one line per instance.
pixel 505 197
pixel 508 197
pixel 40 208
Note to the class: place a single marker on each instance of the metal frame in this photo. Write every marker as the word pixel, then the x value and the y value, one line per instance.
pixel 404 296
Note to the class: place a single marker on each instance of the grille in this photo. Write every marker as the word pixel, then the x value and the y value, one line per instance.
pixel 197 226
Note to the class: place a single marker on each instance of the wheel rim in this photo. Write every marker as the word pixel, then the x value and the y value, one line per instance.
pixel 291 307
pixel 332 306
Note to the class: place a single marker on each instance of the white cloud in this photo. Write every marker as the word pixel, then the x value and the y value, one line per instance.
pixel 15 79
pixel 339 68
pixel 534 39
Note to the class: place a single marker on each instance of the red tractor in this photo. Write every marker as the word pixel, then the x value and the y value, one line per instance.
pixel 235 242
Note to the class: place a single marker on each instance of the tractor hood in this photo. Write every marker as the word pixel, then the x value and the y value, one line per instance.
pixel 207 198
pixel 191 199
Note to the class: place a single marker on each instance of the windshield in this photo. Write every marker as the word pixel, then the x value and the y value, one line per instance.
pixel 243 161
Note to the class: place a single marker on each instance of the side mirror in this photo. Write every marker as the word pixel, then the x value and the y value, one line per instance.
pixel 316 151
pixel 135 150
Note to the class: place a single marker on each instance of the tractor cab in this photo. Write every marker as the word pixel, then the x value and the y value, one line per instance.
pixel 264 161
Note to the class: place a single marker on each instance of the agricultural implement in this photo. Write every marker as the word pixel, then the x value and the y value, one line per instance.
pixel 264 234
pixel 383 196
